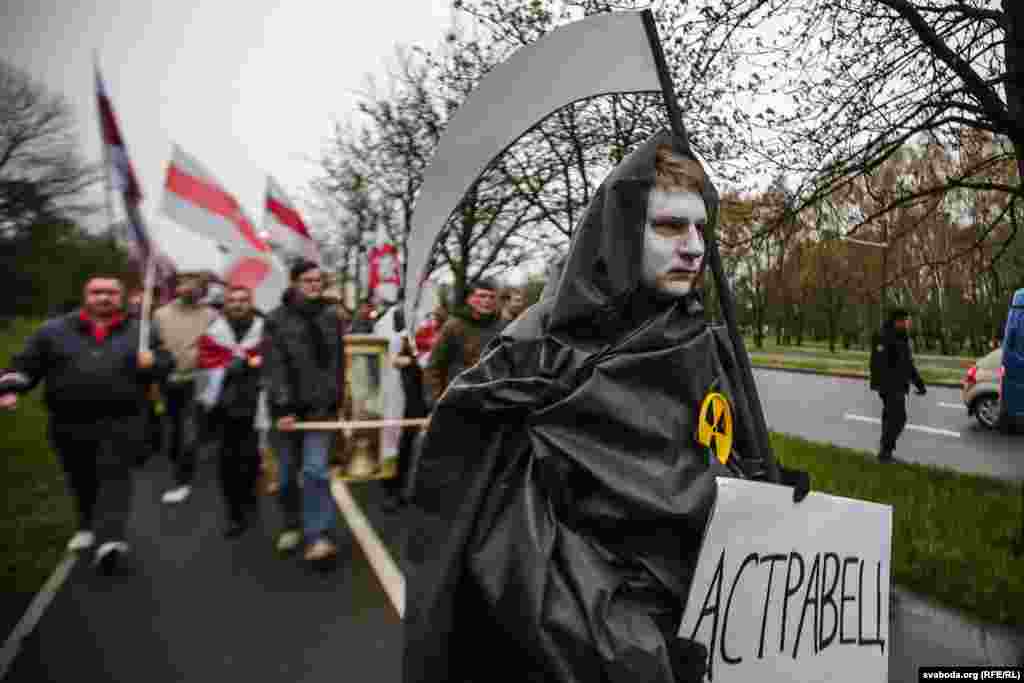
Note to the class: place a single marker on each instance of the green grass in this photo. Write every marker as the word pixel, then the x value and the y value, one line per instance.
pixel 952 533
pixel 36 513
pixel 930 373
pixel 813 349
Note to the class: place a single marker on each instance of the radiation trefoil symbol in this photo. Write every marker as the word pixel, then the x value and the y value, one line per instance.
pixel 714 430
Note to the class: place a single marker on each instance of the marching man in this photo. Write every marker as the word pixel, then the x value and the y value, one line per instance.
pixel 230 355
pixel 96 384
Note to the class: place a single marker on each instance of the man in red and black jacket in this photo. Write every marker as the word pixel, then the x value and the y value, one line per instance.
pixel 96 383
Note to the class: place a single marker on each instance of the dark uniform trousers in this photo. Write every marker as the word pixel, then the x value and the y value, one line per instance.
pixel 239 463
pixel 184 427
pixel 894 418
pixel 99 460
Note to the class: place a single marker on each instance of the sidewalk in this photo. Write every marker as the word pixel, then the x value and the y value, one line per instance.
pixel 925 634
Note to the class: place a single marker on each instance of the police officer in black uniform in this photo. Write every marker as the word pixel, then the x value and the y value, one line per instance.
pixel 892 373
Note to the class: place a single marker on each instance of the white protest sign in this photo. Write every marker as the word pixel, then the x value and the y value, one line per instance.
pixel 790 591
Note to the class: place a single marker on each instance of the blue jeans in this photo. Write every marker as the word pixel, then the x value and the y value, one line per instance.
pixel 314 502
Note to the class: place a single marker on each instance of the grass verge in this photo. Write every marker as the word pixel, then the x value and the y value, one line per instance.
pixel 36 514
pixel 952 532
pixel 847 367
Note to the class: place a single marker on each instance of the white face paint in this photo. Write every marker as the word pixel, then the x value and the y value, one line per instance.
pixel 673 244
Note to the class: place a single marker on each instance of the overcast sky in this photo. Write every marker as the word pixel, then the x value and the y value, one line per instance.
pixel 248 88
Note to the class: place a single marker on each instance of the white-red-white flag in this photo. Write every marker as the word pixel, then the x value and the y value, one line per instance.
pixel 385 270
pixel 196 200
pixel 285 226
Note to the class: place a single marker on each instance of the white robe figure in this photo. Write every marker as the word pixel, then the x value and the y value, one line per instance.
pixel 392 395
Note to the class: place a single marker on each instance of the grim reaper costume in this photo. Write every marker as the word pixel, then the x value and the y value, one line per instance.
pixel 563 493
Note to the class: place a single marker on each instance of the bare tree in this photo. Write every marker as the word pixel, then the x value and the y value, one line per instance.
pixel 41 175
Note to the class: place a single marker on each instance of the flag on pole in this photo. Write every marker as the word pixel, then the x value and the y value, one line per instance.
pixel 194 198
pixel 285 226
pixel 385 273
pixel 153 265
pixel 120 171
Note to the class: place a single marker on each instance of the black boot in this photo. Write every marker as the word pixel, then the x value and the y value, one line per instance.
pixel 885 455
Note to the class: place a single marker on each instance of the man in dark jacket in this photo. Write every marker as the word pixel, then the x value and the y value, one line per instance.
pixel 96 382
pixel 563 489
pixel 231 354
pixel 892 373
pixel 464 336
pixel 303 379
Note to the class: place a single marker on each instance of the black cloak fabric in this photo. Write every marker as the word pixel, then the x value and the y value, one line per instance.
pixel 562 490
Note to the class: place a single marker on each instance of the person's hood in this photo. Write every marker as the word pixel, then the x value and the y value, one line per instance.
pixel 600 288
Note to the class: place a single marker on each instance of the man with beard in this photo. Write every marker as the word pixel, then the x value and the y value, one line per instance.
pixel 562 489
pixel 304 381
pixel 181 323
pixel 231 354
pixel 96 383
pixel 462 338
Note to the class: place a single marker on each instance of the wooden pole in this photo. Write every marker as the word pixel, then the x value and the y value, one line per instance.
pixel 727 303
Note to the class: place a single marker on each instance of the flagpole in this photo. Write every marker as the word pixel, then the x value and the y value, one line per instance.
pixel 109 202
pixel 147 302
pixel 725 297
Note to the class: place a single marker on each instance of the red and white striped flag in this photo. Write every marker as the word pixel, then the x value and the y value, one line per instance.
pixel 195 199
pixel 285 226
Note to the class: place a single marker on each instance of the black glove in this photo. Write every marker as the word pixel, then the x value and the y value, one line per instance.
pixel 798 479
pixel 689 660
pixel 921 390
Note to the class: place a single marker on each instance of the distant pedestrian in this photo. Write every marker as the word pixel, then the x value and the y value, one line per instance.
pixel 303 380
pixel 181 323
pixel 463 338
pixel 512 304
pixel 892 373
pixel 96 382
pixel 428 332
pixel 231 354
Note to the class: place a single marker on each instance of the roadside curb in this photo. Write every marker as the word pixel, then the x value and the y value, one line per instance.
pixel 844 375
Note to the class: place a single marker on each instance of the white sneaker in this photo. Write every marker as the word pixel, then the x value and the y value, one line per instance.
pixel 177 495
pixel 288 541
pixel 108 556
pixel 81 541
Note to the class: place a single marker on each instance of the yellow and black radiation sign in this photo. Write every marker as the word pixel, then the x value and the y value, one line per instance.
pixel 714 430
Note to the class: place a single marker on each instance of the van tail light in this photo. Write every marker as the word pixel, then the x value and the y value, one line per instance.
pixel 972 375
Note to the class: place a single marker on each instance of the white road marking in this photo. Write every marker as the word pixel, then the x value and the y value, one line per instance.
pixel 383 564
pixel 954 406
pixel 34 613
pixel 919 428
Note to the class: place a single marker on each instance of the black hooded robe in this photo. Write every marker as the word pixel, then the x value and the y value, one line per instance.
pixel 563 493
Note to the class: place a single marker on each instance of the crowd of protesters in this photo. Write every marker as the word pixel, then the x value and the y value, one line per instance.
pixel 217 372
